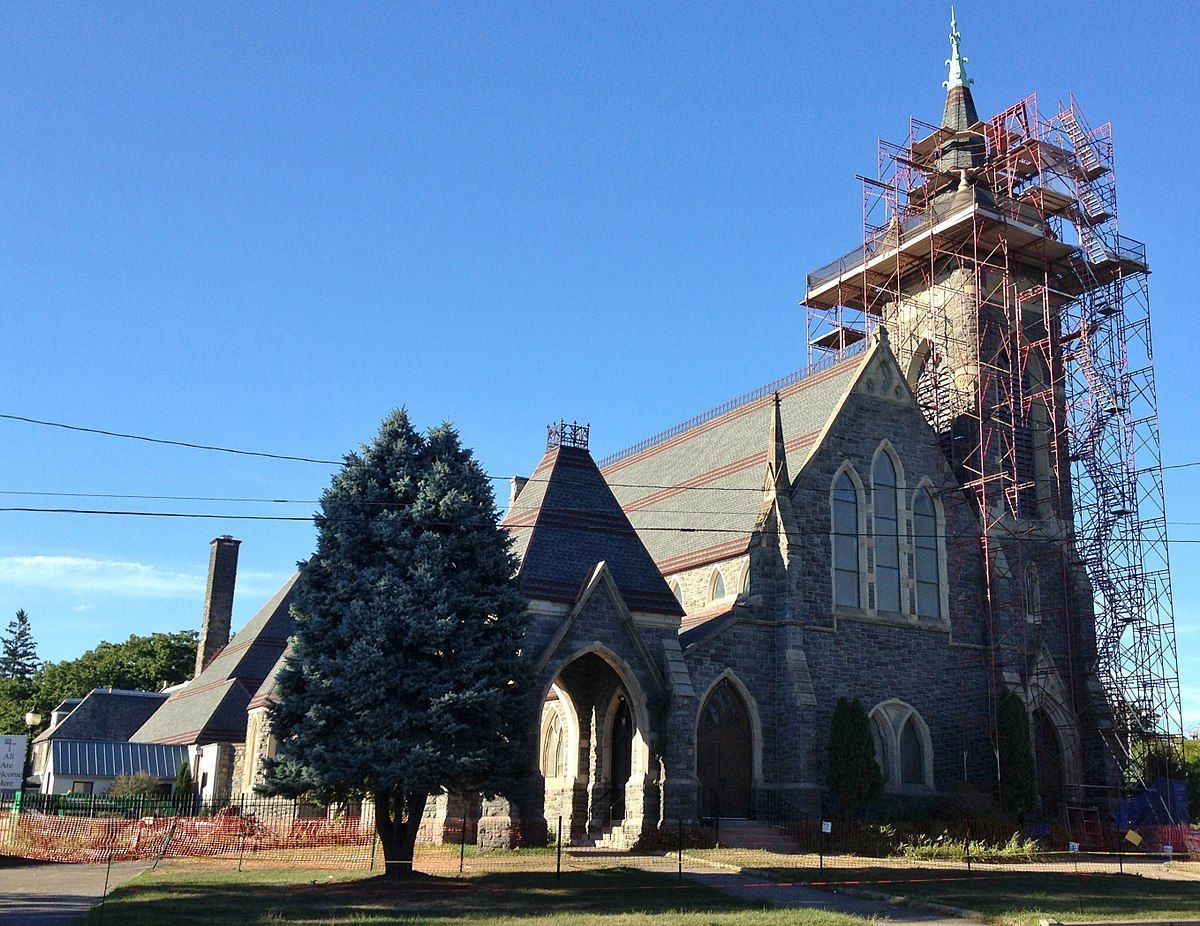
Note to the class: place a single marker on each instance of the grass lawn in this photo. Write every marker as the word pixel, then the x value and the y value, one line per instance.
pixel 197 895
pixel 1024 897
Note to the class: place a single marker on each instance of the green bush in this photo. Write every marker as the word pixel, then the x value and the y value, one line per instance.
pixel 944 846
pixel 183 779
pixel 1018 784
pixel 140 784
pixel 854 778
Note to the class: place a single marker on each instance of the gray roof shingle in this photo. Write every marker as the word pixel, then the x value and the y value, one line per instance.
pixel 107 714
pixel 212 707
pixel 707 479
pixel 565 521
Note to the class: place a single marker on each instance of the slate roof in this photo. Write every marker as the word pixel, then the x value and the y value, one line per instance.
pixel 966 150
pixel 266 690
pixel 212 707
pixel 711 473
pixel 565 521
pixel 106 759
pixel 107 714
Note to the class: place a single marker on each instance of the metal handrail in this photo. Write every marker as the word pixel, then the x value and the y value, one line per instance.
pixel 761 392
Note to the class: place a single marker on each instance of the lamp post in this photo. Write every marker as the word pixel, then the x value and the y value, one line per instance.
pixel 33 720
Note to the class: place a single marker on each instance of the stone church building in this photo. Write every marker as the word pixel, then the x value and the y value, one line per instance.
pixel 701 601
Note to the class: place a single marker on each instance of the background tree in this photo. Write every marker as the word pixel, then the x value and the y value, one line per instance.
pixel 1018 781
pixel 405 676
pixel 142 663
pixel 855 778
pixel 18 652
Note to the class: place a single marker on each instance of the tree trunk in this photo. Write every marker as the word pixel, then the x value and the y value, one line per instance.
pixel 397 819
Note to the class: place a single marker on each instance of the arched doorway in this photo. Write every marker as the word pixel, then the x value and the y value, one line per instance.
pixel 604 779
pixel 724 753
pixel 622 757
pixel 1049 760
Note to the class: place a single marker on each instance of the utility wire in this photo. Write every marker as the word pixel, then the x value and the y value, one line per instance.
pixel 172 443
pixel 296 518
pixel 301 459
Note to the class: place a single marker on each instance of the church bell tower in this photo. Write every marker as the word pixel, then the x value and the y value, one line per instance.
pixel 1020 316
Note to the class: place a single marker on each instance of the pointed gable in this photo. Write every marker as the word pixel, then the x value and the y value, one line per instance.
pixel 212 707
pixel 565 521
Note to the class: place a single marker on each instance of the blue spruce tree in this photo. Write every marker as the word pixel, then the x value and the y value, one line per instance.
pixel 405 676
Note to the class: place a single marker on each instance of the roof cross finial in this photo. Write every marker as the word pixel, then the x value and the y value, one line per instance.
pixel 957 61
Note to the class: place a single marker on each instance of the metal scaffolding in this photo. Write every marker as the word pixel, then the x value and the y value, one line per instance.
pixel 1020 314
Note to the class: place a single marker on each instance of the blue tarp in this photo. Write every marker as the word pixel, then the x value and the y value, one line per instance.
pixel 1162 804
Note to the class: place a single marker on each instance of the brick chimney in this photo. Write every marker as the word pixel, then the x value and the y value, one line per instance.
pixel 516 485
pixel 218 600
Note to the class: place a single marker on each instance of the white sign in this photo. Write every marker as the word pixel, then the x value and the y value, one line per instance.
pixel 12 762
pixel 1168 851
pixel 826 826
pixel 1073 848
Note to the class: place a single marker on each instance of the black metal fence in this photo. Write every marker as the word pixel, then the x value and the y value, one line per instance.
pixel 276 832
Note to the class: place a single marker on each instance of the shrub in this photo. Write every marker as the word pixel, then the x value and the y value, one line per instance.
pixel 183 779
pixel 140 784
pixel 944 846
pixel 855 778
pixel 1018 784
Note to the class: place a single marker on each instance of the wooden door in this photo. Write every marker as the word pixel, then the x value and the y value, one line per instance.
pixel 723 754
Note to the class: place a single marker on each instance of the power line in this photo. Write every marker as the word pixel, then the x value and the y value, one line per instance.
pixel 298 518
pixel 190 445
pixel 172 443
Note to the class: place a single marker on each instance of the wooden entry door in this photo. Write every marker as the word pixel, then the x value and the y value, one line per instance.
pixel 1049 763
pixel 723 753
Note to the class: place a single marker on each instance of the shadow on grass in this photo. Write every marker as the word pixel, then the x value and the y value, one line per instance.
pixel 1001 894
pixel 177 896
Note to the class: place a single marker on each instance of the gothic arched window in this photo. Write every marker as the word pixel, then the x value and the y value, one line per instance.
pixel 1033 595
pixel 887 535
pixel 903 746
pixel 845 543
pixel 677 591
pixel 881 735
pixel 553 747
pixel 928 565
pixel 912 754
pixel 716 587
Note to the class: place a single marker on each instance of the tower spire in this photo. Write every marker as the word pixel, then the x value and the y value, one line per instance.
pixel 957 61
pixel 964 150
pixel 777 472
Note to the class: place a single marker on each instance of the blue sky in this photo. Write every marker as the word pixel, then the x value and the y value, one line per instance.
pixel 264 226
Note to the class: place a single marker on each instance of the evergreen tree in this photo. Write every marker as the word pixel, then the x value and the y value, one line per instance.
pixel 405 676
pixel 855 778
pixel 18 652
pixel 1018 781
pixel 183 780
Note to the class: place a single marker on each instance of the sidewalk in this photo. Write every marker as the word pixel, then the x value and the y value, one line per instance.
pixel 50 894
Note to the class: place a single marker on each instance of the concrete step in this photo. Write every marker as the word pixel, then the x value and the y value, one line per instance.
pixel 754 834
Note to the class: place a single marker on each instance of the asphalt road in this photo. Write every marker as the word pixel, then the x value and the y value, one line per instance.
pixel 48 894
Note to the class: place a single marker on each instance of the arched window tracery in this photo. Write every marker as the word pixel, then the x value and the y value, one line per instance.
pixel 846 543
pixel 927 556
pixel 903 746
pixel 885 495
